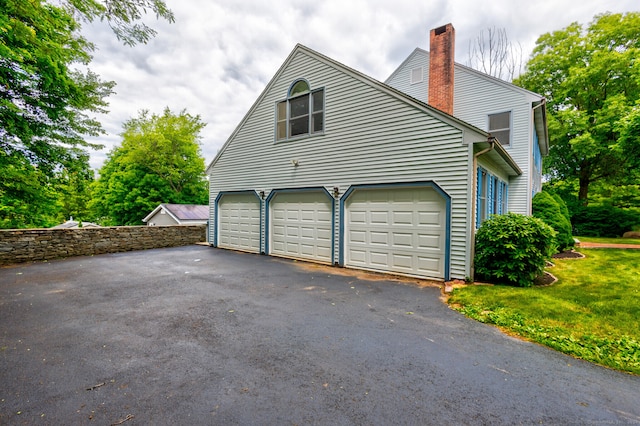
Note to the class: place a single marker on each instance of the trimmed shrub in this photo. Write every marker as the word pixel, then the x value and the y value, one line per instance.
pixel 546 207
pixel 563 206
pixel 512 249
pixel 604 220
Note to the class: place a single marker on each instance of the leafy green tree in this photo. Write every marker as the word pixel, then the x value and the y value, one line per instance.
pixel 123 16
pixel 73 190
pixel 159 161
pixel 47 104
pixel 44 101
pixel 591 79
pixel 27 199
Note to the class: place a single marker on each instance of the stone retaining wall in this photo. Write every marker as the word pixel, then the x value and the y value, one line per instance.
pixel 26 245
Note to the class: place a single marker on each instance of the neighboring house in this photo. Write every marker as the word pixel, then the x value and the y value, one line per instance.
pixel 332 166
pixel 178 214
pixel 73 224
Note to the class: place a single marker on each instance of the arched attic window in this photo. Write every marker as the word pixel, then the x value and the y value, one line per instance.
pixel 302 113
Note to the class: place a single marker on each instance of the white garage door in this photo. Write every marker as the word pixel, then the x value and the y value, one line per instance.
pixel 300 225
pixel 239 222
pixel 400 230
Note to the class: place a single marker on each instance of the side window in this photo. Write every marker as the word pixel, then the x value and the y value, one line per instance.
pixel 500 127
pixel 481 201
pixel 491 196
pixel 302 113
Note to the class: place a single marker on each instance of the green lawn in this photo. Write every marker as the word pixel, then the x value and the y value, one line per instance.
pixel 592 312
pixel 609 240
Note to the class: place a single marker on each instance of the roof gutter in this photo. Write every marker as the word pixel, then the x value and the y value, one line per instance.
pixel 543 120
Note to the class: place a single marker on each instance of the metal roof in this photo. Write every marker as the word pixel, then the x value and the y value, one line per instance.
pixel 188 211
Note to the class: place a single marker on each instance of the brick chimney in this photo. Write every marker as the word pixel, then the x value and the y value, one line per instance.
pixel 441 58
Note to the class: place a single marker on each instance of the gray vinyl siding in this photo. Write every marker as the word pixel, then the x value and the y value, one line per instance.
pixel 160 219
pixel 475 97
pixel 370 137
pixel 401 79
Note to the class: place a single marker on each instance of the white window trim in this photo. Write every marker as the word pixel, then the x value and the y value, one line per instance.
pixel 312 113
pixel 510 112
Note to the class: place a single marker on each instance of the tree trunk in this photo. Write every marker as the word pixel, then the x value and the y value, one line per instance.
pixel 583 194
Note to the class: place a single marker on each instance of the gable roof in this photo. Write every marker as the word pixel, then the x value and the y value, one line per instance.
pixel 480 136
pixel 73 224
pixel 538 101
pixel 181 212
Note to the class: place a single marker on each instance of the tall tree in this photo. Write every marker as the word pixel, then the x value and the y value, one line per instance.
pixel 159 161
pixel 48 106
pixel 591 79
pixel 27 199
pixel 123 16
pixel 73 190
pixel 492 53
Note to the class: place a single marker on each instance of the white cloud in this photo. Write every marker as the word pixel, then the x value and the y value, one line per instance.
pixel 218 56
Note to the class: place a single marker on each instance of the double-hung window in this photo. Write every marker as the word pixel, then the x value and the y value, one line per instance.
pixel 491 196
pixel 302 113
pixel 500 127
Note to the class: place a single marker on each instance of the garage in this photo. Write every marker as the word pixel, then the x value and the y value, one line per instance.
pixel 239 222
pixel 301 225
pixel 396 229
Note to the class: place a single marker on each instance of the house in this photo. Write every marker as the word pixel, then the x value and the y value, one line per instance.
pixel 332 166
pixel 74 224
pixel 178 214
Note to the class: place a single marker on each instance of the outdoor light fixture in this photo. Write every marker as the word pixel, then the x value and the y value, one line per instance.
pixel 295 162
pixel 262 194
pixel 336 191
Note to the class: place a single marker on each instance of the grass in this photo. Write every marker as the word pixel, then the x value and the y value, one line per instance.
pixel 592 312
pixel 603 240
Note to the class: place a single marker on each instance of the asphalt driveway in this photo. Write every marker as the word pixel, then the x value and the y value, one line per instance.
pixel 197 335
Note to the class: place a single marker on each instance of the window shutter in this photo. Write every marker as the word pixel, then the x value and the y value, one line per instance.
pixel 490 196
pixel 478 196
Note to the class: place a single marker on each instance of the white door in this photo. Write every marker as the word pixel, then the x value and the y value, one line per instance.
pixel 399 230
pixel 239 222
pixel 300 225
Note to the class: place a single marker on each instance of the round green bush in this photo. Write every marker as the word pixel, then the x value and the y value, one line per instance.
pixel 513 249
pixel 555 214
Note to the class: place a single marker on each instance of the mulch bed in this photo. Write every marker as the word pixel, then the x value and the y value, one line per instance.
pixel 544 279
pixel 547 278
pixel 569 254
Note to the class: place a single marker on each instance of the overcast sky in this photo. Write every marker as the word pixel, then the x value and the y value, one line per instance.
pixel 218 56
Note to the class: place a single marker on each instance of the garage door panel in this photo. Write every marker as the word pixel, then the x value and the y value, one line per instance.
pixel 403 240
pixel 403 218
pixel 239 222
pixel 357 237
pixel 378 238
pixel 429 242
pixel 357 217
pixel 379 217
pixel 307 222
pixel 324 235
pixel 379 258
pixel 358 257
pixel 396 230
pixel 428 263
pixel 403 262
pixel 429 218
